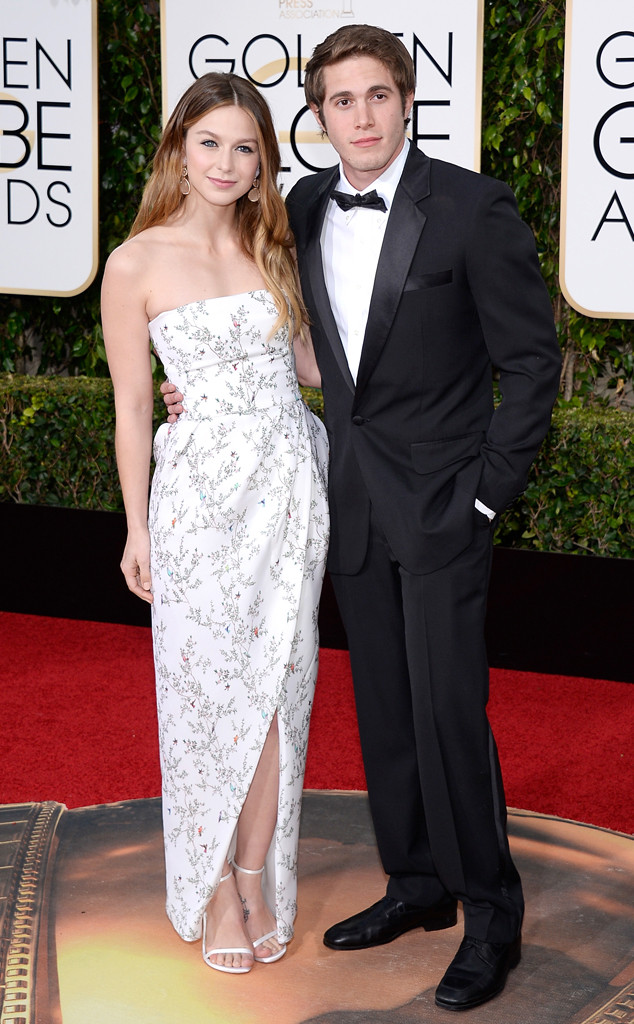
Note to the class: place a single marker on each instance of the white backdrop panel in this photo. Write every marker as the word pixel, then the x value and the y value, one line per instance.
pixel 48 146
pixel 597 225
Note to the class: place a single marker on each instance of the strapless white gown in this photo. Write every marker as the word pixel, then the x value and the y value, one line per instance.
pixel 239 529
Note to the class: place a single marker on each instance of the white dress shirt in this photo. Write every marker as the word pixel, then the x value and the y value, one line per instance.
pixel 351 243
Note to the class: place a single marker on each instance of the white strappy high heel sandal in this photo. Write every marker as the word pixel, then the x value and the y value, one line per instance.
pixel 208 953
pixel 269 935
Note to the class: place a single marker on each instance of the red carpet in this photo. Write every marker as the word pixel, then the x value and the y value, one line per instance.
pixel 79 726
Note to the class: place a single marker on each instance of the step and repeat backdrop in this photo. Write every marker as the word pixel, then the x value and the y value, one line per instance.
pixel 49 119
pixel 269 42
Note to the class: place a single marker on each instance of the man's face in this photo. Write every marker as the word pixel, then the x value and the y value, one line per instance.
pixel 363 116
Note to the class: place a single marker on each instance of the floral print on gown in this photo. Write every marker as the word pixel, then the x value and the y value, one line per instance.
pixel 239 529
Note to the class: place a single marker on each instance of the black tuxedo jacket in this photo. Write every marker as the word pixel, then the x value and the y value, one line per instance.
pixel 458 290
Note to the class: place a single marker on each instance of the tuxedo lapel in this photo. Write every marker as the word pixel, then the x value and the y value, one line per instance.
pixel 402 235
pixel 313 268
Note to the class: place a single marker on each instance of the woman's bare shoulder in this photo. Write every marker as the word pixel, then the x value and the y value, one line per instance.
pixel 138 256
pixel 136 251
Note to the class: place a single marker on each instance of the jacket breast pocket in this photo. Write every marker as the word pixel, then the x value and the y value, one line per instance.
pixel 415 282
pixel 431 456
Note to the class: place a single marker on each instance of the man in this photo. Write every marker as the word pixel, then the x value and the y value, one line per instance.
pixel 411 304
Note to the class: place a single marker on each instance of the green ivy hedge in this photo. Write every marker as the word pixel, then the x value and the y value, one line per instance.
pixel 58 449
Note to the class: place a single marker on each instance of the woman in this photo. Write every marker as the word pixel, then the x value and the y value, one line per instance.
pixel 233 557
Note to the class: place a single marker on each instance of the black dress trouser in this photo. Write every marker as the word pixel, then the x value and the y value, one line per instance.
pixel 421 683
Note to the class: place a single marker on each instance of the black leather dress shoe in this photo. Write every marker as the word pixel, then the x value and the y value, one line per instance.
pixel 477 973
pixel 388 919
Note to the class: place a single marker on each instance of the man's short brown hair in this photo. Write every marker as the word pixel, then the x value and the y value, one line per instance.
pixel 358 41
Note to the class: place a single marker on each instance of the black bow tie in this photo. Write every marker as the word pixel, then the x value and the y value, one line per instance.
pixel 370 201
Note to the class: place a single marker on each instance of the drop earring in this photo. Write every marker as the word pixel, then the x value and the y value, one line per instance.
pixel 184 183
pixel 254 192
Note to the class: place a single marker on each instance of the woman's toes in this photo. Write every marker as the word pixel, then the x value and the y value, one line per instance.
pixel 268 948
pixel 239 960
pixel 232 960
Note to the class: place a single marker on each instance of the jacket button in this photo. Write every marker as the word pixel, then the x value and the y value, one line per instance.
pixel 358 421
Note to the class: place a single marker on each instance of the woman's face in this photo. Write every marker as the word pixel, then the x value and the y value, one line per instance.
pixel 222 155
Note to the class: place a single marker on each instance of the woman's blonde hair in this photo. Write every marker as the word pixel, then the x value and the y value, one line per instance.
pixel 263 227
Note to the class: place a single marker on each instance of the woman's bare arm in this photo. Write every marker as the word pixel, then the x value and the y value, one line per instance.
pixel 127 344
pixel 308 373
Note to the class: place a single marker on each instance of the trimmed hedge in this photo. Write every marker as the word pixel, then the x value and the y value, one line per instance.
pixel 580 494
pixel 57 449
pixel 58 442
